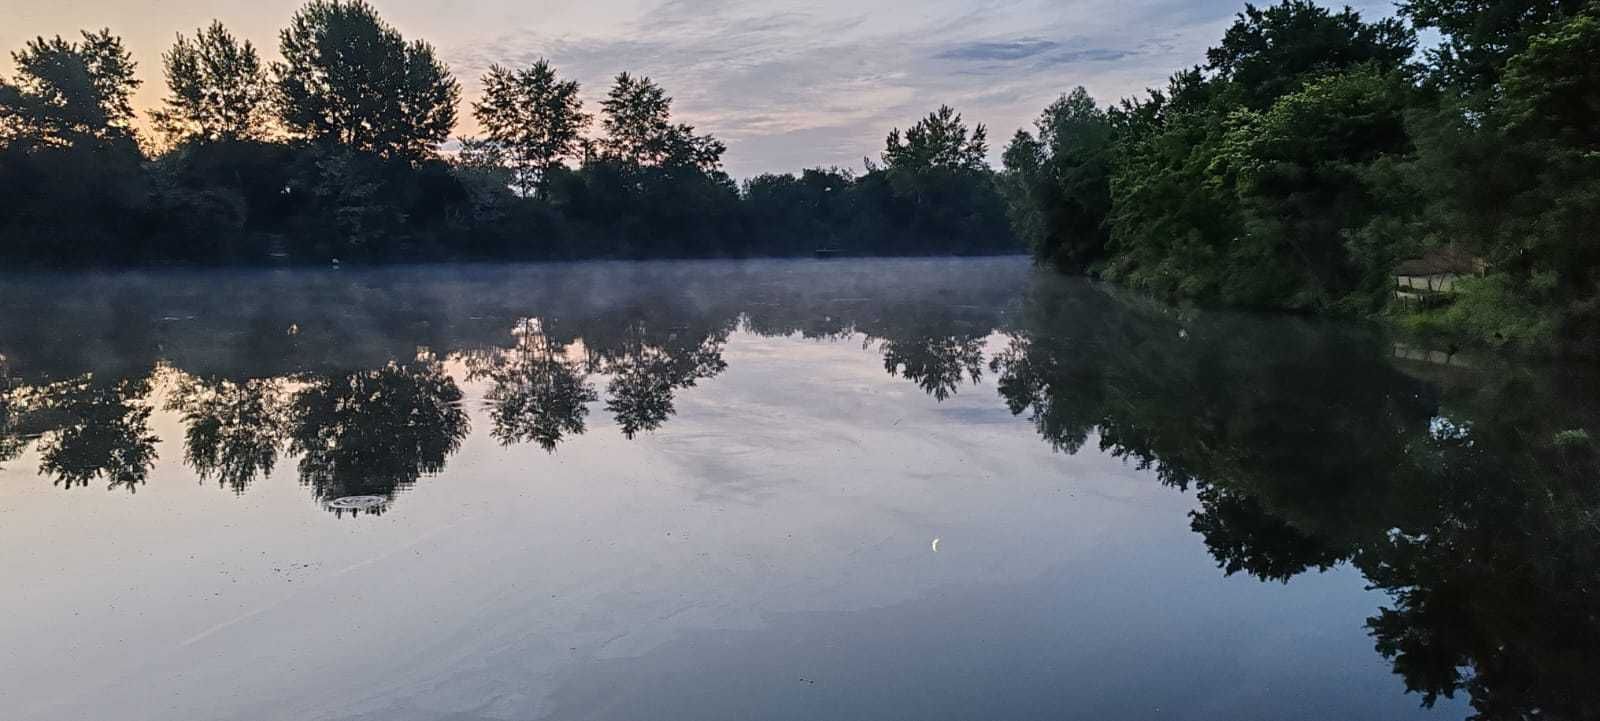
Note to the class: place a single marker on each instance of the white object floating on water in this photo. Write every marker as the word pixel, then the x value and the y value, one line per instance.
pixel 358 503
pixel 935 545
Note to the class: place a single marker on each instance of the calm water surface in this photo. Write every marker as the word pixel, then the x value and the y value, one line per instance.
pixel 911 489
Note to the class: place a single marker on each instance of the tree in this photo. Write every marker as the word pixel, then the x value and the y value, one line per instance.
pixel 1170 211
pixel 1305 182
pixel 1481 36
pixel 940 140
pixel 348 77
pixel 65 92
pixel 640 132
pixel 1059 184
pixel 1268 53
pixel 217 88
pixel 538 118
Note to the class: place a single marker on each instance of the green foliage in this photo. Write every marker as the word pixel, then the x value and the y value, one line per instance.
pixel 1173 208
pixel 1514 175
pixel 1493 311
pixel 1304 182
pixel 1481 36
pixel 1306 161
pixel 349 78
pixel 1247 186
pixel 217 89
pixel 1268 52
pixel 536 117
pixel 1058 184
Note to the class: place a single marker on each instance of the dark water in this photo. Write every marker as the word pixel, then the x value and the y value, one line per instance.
pixel 794 490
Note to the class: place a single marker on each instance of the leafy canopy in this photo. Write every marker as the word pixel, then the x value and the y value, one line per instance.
pixel 637 116
pixel 347 77
pixel 217 88
pixel 1267 53
pixel 536 116
pixel 69 91
pixel 940 140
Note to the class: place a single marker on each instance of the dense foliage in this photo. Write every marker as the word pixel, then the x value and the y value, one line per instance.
pixel 338 153
pixel 1311 154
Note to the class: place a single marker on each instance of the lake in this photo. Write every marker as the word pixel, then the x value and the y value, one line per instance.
pixel 847 489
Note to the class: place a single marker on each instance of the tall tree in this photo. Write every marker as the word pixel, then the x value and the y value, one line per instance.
pixel 217 88
pixel 1058 185
pixel 1270 52
pixel 536 116
pixel 1481 36
pixel 940 140
pixel 69 91
pixel 348 77
pixel 639 129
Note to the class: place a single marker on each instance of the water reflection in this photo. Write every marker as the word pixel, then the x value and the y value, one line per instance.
pixel 1471 495
pixel 373 433
pixel 11 411
pixel 233 430
pixel 94 428
pixel 1473 500
pixel 538 392
pixel 649 363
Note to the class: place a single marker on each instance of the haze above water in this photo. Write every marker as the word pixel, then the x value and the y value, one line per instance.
pixel 899 489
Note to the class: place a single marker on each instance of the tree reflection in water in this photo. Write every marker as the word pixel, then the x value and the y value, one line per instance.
pixel 1471 497
pixel 537 393
pixel 938 364
pixel 372 433
pixel 649 363
pixel 234 430
pixel 1471 500
pixel 12 441
pixel 95 428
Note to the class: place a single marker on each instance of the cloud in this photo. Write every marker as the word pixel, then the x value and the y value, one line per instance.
pixel 999 51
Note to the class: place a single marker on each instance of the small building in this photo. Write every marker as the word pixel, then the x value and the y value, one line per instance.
pixel 1434 273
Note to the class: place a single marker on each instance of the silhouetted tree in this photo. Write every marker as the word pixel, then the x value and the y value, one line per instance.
pixel 637 116
pixel 941 141
pixel 217 88
pixel 347 77
pixel 535 116
pixel 12 408
pixel 67 92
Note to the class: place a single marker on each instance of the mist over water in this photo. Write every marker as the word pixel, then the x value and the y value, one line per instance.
pixel 914 489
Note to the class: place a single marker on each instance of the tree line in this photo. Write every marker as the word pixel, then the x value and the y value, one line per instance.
pixel 1314 150
pixel 334 152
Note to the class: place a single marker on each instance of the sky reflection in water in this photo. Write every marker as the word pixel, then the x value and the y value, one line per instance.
pixel 710 490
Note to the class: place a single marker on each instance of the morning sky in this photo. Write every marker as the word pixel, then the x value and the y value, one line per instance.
pixel 786 83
